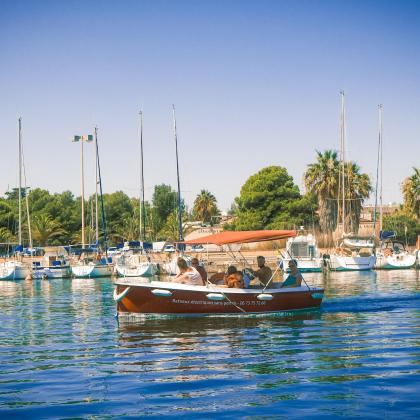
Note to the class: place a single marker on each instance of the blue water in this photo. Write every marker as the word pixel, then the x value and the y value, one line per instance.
pixel 63 354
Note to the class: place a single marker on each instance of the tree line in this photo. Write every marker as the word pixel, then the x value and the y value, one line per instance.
pixel 269 199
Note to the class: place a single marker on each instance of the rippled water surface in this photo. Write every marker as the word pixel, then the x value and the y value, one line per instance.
pixel 63 354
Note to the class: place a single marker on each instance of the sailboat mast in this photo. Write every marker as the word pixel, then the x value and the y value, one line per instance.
pixel 82 182
pixel 142 206
pixel 181 238
pixel 20 180
pixel 101 194
pixel 342 134
pixel 378 163
pixel 381 146
pixel 96 190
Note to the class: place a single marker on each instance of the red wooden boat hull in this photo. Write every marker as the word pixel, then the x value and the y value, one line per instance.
pixel 200 300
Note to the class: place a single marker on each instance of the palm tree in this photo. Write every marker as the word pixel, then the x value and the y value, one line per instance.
pixel 411 193
pixel 357 188
pixel 44 228
pixel 205 207
pixel 129 230
pixel 6 236
pixel 322 179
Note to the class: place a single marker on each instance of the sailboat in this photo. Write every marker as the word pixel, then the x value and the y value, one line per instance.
pixel 131 263
pixel 391 254
pixel 92 263
pixel 171 267
pixel 15 270
pixel 354 253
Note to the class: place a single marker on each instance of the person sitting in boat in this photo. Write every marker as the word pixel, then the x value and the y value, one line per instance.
pixel 203 273
pixel 294 279
pixel 264 273
pixel 234 278
pixel 187 275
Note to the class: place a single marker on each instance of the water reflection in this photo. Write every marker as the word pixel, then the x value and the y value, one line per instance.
pixel 62 349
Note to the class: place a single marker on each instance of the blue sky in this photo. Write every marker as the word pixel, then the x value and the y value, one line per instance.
pixel 255 83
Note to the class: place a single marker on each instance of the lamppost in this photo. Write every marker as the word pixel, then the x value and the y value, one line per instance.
pixel 82 139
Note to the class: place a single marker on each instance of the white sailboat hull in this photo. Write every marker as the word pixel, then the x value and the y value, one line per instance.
pixel 343 263
pixel 12 270
pixel 395 262
pixel 145 269
pixel 92 270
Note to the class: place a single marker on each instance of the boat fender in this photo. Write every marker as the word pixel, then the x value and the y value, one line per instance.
pixel 265 296
pixel 118 297
pixel 162 292
pixel 215 296
pixel 317 295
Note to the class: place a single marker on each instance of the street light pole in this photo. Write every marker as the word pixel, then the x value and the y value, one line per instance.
pixel 82 139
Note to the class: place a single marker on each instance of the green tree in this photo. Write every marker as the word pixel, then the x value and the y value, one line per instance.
pixel 164 202
pixel 63 208
pixel 170 231
pixel 321 179
pixel 271 200
pixel 411 193
pixel 7 216
pixel 404 224
pixel 6 236
pixel 128 230
pixel 205 207
pixel 44 228
pixel 118 208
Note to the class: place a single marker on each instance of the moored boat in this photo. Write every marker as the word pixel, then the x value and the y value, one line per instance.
pixel 53 265
pixel 57 269
pixel 392 255
pixel 135 265
pixel 13 270
pixel 303 249
pixel 355 253
pixel 92 269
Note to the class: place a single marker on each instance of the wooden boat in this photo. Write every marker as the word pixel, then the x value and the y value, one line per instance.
pixel 139 296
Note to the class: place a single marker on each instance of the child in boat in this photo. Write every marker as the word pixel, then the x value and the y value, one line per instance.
pixel 234 278
pixel 187 275
pixel 295 278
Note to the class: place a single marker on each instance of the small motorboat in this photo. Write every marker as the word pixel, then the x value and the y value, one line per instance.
pixel 303 249
pixel 136 296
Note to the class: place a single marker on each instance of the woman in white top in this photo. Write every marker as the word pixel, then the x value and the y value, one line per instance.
pixel 187 275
